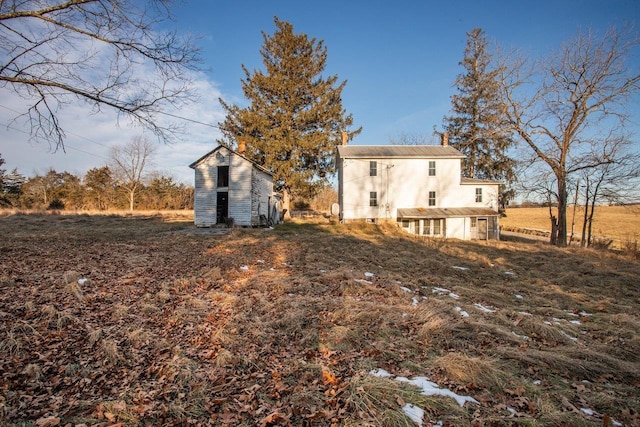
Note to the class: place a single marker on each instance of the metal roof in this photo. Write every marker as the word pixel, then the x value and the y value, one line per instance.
pixel 397 151
pixel 257 166
pixel 470 181
pixel 445 212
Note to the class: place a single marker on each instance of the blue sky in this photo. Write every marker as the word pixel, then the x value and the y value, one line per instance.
pixel 399 58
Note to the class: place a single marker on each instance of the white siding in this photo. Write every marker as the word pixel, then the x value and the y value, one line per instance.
pixel 261 194
pixel 400 183
pixel 206 175
pixel 248 191
pixel 240 191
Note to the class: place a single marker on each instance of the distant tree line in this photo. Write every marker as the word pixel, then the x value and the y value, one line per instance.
pixel 98 189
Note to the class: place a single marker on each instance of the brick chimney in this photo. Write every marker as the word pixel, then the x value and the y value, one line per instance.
pixel 242 147
pixel 345 138
pixel 444 139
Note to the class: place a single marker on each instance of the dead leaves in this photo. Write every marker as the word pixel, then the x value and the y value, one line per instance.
pixel 168 331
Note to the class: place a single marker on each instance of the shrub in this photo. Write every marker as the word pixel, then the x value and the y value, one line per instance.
pixel 301 205
pixel 56 205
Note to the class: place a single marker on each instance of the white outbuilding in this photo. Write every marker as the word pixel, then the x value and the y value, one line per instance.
pixel 233 190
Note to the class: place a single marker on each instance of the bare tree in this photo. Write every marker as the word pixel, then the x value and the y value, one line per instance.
pixel 128 163
pixel 404 138
pixel 565 105
pixel 107 53
pixel 614 179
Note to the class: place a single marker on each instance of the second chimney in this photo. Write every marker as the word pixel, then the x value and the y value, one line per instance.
pixel 242 147
pixel 444 139
pixel 345 138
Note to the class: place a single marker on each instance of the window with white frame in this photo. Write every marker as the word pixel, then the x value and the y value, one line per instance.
pixel 478 195
pixel 433 227
pixel 373 198
pixel 432 168
pixel 373 168
pixel 432 198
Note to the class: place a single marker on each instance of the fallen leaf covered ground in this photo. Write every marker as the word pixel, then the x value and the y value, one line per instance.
pixel 138 320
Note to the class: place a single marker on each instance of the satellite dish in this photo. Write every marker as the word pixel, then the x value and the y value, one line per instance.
pixel 335 209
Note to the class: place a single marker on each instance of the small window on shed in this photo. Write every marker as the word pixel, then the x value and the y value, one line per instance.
pixel 223 176
pixel 373 168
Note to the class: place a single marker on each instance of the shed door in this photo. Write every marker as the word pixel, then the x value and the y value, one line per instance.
pixel 222 207
pixel 482 228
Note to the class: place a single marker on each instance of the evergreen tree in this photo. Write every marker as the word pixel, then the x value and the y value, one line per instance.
pixel 10 185
pixel 477 126
pixel 295 117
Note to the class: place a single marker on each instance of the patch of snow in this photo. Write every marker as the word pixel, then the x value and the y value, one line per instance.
pixel 575 322
pixel 547 323
pixel 462 312
pixel 432 389
pixel 569 336
pixel 510 409
pixel 518 296
pixel 82 281
pixel 363 281
pixel 587 411
pixel 537 382
pixel 510 273
pixel 483 308
pixel 272 269
pixel 381 373
pixel 457 267
pixel 260 261
pixel 414 301
pixel 524 313
pixel 368 274
pixel 323 271
pixel 570 313
pixel 443 291
pixel 584 314
pixel 414 412
pixel 524 337
pixel 616 423
pixel 406 289
pixel 244 267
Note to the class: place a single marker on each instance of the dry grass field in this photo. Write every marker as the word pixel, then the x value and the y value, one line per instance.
pixel 138 320
pixel 620 223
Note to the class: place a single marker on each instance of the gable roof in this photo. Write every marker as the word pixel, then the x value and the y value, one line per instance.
pixel 397 151
pixel 257 166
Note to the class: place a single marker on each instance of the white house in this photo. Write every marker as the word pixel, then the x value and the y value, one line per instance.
pixel 420 187
pixel 228 186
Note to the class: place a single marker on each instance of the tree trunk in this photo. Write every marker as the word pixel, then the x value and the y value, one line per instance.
pixel 575 208
pixel 131 197
pixel 286 204
pixel 583 242
pixel 562 211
